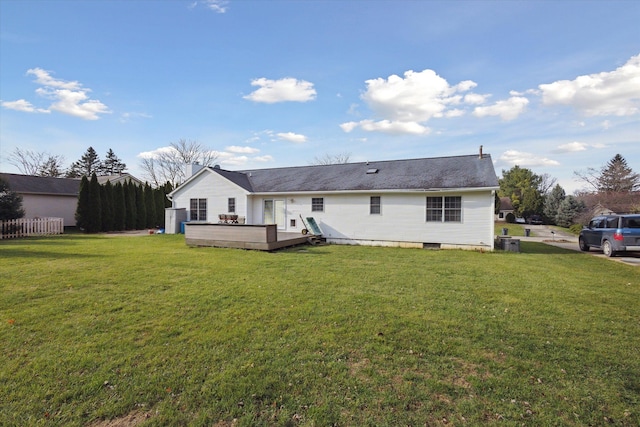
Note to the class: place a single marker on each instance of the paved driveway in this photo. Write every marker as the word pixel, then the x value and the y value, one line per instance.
pixel 545 234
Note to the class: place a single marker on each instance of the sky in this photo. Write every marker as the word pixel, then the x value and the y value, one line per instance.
pixel 552 86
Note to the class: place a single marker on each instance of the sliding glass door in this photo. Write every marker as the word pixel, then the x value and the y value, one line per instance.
pixel 275 213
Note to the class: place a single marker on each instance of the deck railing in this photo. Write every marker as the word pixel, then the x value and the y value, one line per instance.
pixel 25 227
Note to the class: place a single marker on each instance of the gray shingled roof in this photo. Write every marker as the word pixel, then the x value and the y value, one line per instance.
pixel 27 184
pixel 414 174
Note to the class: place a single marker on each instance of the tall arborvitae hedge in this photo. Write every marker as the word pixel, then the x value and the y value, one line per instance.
pixel 118 207
pixel 108 213
pixel 150 206
pixel 158 198
pixel 82 210
pixel 94 219
pixel 129 205
pixel 123 206
pixel 141 208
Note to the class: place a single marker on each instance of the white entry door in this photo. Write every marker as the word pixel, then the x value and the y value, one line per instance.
pixel 275 213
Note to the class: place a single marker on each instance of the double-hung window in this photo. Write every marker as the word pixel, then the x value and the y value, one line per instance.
pixel 231 205
pixel 198 209
pixel 374 205
pixel 444 209
pixel 317 204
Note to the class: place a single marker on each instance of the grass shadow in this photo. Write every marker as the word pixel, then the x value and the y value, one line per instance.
pixel 543 249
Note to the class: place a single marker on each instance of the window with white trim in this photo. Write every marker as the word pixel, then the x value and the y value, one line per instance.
pixel 231 205
pixel 317 204
pixel 198 209
pixel 444 209
pixel 375 205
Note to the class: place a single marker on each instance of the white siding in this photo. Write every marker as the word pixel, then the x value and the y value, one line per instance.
pixel 346 218
pixel 216 190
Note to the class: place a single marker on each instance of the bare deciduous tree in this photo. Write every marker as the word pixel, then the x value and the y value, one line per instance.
pixel 331 159
pixel 37 163
pixel 547 182
pixel 168 164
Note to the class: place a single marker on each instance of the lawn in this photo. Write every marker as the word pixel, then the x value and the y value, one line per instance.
pixel 96 328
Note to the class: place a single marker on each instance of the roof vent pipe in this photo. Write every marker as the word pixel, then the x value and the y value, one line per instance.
pixel 480 152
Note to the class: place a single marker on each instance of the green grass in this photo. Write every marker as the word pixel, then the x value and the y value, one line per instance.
pixel 97 327
pixel 516 230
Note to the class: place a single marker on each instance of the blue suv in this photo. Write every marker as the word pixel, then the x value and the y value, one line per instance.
pixel 612 234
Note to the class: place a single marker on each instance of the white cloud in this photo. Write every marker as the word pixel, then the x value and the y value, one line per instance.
pixel 154 154
pixel 576 146
pixel 44 78
pixel 287 89
pixel 68 98
pixel 614 93
pixel 292 137
pixel 507 109
pixel 349 126
pixel 387 126
pixel 262 159
pixel 454 113
pixel 127 117
pixel 242 150
pixel 218 6
pixel 24 106
pixel 571 147
pixel 74 103
pixel 402 105
pixel 417 97
pixel 475 98
pixel 513 157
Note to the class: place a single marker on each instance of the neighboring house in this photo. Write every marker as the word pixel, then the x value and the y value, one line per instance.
pixel 432 202
pixel 53 197
pixel 505 208
pixel 46 196
pixel 122 178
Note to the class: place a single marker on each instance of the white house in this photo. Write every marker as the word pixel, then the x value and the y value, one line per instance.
pixel 445 202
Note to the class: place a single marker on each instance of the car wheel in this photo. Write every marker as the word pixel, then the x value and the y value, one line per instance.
pixel 607 249
pixel 583 245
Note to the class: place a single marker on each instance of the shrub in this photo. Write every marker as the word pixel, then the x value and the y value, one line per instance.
pixel 510 218
pixel 575 228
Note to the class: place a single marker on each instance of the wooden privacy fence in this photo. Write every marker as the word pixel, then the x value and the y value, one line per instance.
pixel 24 227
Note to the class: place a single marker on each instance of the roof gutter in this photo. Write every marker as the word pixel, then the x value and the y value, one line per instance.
pixel 382 191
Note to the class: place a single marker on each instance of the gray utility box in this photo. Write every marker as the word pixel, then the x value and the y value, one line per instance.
pixel 510 245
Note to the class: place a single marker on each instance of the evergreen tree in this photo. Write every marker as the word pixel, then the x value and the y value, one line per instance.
pixel 94 220
pixel 130 205
pixel 118 207
pixel 10 203
pixel 108 218
pixel 568 211
pixel 618 177
pixel 552 203
pixel 150 205
pixel 112 165
pixel 159 196
pixel 88 164
pixel 82 210
pixel 141 208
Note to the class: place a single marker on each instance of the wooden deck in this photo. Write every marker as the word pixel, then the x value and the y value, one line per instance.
pixel 240 236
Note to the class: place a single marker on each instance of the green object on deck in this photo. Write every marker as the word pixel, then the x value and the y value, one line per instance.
pixel 313 226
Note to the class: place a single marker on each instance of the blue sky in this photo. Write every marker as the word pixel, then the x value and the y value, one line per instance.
pixel 551 86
